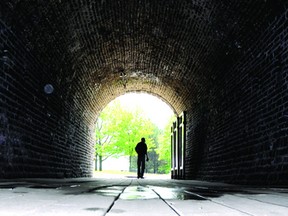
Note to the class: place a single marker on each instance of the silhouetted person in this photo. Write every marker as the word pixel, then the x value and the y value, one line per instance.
pixel 141 149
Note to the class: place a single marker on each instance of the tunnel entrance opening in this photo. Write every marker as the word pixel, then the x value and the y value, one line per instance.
pixel 122 124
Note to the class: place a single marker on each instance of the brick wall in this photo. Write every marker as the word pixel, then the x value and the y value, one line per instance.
pixel 40 135
pixel 225 63
pixel 244 128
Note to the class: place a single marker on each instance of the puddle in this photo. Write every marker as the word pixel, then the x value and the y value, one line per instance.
pixel 73 186
pixel 113 191
pixel 205 192
pixel 144 193
pixel 175 193
pixel 138 193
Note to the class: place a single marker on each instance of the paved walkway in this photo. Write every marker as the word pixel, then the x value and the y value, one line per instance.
pixel 131 196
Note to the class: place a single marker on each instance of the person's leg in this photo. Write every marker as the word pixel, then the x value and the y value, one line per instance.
pixel 142 167
pixel 138 167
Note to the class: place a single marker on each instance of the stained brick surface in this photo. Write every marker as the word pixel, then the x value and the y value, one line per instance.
pixel 225 62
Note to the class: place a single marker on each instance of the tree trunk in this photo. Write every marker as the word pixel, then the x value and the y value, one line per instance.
pixel 96 164
pixel 100 162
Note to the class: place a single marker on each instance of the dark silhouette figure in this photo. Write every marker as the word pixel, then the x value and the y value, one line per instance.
pixel 141 149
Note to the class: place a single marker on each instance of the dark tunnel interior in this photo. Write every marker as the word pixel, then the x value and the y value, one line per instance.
pixel 223 63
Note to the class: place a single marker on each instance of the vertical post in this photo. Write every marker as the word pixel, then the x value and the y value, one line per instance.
pixel 181 144
pixel 174 150
pixel 178 143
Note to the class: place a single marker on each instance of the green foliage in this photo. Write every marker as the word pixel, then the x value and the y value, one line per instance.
pixel 164 148
pixel 118 131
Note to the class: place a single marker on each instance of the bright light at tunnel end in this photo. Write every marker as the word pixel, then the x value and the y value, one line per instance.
pixel 154 108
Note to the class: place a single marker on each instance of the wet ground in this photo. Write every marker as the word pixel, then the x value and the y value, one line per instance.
pixel 131 196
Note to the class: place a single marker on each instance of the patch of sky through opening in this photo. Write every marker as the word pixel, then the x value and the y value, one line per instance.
pixel 154 108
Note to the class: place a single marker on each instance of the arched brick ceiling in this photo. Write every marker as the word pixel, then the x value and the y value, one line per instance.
pixel 98 50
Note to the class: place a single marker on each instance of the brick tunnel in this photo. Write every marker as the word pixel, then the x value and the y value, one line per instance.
pixel 222 62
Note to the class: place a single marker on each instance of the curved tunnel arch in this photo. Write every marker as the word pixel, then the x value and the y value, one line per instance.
pixel 113 96
pixel 207 57
pixel 107 82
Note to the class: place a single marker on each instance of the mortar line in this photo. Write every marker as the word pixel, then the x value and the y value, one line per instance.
pixel 261 201
pixel 116 198
pixel 227 206
pixel 170 206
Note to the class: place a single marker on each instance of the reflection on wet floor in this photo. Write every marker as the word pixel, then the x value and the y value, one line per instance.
pixel 113 191
pixel 153 192
pixel 134 190
pixel 175 193
pixel 125 197
pixel 138 192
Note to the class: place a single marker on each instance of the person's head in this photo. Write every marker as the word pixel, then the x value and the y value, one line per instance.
pixel 143 139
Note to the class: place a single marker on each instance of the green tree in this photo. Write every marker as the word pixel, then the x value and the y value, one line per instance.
pixel 164 148
pixel 118 131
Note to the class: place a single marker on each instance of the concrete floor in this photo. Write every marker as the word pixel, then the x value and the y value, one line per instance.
pixel 130 196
